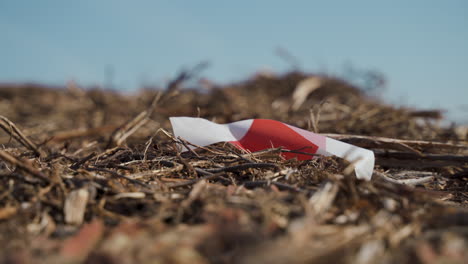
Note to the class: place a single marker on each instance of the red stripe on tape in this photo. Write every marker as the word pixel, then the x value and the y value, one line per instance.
pixel 265 133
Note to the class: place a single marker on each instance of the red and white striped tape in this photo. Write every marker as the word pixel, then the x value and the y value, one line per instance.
pixel 258 134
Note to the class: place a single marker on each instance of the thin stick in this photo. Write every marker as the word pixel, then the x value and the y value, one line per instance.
pixel 127 129
pixel 300 152
pixel 77 133
pixel 184 142
pixel 77 164
pixel 117 175
pixel 14 131
pixel 186 164
pixel 130 127
pixel 148 143
pixel 411 156
pixel 399 144
pixel 192 182
pixel 411 182
pixel 416 181
pixel 264 152
pixel 244 167
pixel 22 165
pixel 284 186
pixel 415 164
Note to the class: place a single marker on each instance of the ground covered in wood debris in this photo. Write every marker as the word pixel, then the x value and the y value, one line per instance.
pixel 93 176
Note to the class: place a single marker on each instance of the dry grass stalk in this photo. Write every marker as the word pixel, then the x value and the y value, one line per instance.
pixel 303 89
pixel 400 144
pixel 16 133
pixel 22 165
pixel 130 127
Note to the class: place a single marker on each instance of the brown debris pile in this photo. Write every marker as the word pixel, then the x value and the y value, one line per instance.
pixel 92 176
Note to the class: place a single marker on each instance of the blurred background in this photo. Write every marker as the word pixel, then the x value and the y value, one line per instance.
pixel 413 52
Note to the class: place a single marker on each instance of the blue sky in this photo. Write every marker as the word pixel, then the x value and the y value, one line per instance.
pixel 420 46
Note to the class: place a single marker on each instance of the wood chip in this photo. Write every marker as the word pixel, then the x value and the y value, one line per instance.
pixel 75 206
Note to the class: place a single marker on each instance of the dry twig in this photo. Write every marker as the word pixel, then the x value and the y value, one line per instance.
pixel 22 165
pixel 130 127
pixel 16 133
pixel 399 144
